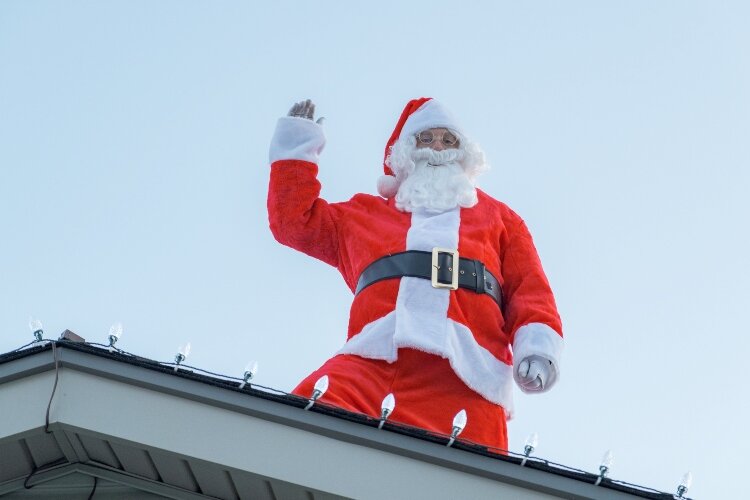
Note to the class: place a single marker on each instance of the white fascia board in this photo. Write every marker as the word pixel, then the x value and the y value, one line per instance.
pixel 24 404
pixel 195 420
pixel 248 443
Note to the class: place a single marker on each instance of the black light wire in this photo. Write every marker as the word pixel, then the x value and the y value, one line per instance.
pixel 91 495
pixel 36 470
pixel 26 481
pixel 54 387
pixel 25 346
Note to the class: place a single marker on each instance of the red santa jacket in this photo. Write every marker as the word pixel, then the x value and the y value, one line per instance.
pixel 464 327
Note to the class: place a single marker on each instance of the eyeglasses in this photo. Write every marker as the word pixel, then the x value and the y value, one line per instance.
pixel 427 137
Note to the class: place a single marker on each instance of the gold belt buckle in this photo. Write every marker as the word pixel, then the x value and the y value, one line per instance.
pixel 453 285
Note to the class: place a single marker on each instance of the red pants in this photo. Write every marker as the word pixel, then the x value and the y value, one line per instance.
pixel 428 394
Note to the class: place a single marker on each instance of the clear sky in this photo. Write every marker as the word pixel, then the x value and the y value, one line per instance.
pixel 133 152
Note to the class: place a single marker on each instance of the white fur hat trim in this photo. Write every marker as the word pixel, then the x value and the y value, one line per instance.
pixel 431 114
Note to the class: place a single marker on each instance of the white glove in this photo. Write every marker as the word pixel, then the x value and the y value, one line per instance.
pixel 305 109
pixel 533 373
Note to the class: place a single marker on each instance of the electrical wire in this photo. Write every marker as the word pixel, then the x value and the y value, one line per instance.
pixel 54 387
pixel 43 468
pixel 25 346
pixel 35 470
pixel 26 481
pixel 91 495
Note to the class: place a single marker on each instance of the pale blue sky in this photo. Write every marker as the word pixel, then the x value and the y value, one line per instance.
pixel 133 153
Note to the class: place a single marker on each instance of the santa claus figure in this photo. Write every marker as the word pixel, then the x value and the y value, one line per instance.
pixel 450 300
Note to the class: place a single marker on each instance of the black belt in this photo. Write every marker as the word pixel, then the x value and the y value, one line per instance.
pixel 436 266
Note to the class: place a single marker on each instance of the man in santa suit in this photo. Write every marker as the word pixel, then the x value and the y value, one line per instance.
pixel 451 303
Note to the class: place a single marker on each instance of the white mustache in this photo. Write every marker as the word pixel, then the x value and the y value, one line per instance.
pixel 438 158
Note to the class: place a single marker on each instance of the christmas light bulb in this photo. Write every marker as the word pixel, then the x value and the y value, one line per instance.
pixel 388 404
pixel 459 422
pixel 685 483
pixel 531 443
pixel 36 328
pixel 386 408
pixel 182 353
pixel 321 386
pixel 687 480
pixel 604 467
pixel 528 448
pixel 115 332
pixel 250 370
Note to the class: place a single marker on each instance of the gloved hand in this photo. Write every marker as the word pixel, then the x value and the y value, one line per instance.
pixel 533 373
pixel 305 109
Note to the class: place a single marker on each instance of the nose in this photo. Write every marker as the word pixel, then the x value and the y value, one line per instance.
pixel 437 145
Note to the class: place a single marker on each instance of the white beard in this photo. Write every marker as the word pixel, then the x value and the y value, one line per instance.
pixel 432 180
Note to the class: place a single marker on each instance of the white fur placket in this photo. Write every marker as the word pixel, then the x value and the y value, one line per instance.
pixel 421 310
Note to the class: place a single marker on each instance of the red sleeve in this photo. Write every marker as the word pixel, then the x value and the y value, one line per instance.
pixel 526 290
pixel 298 217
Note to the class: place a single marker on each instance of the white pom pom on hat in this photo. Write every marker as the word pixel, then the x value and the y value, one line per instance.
pixel 418 114
pixel 387 186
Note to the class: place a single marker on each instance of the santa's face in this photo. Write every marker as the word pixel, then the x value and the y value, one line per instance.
pixel 435 176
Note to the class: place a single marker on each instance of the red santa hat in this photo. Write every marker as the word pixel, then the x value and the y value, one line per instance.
pixel 419 114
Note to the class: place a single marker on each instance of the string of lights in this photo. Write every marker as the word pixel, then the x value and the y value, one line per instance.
pixel 387 407
pixel 252 367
